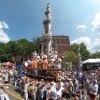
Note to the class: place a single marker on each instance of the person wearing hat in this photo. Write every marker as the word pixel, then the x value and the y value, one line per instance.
pixel 35 65
pixel 44 65
pixel 93 90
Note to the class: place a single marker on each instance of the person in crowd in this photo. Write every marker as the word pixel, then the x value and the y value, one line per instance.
pixel 35 65
pixel 99 90
pixel 51 92
pixel 40 86
pixel 43 92
pixel 21 84
pixel 78 97
pixel 65 93
pixel 3 89
pixel 59 90
pixel 33 89
pixel 70 88
pixel 85 87
pixel 58 62
pixel 6 78
pixel 15 80
pixel 34 54
pixel 93 90
pixel 26 87
pixel 44 65
pixel 75 85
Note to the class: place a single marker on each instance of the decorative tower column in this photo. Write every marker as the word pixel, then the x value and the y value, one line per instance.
pixel 46 39
pixel 48 20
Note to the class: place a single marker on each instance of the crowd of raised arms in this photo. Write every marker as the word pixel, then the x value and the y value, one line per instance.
pixel 72 84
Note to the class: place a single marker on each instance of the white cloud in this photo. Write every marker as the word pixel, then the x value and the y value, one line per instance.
pixel 81 26
pixel 96 1
pixel 96 22
pixel 92 46
pixel 85 40
pixel 3 24
pixel 95 45
pixel 3 36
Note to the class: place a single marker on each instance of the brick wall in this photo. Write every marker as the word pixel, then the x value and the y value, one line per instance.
pixel 62 43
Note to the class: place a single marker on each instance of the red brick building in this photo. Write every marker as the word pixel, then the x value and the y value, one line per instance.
pixel 62 43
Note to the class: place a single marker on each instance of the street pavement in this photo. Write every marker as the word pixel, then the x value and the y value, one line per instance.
pixel 13 93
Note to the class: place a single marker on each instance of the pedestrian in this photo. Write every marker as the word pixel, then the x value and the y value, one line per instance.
pixel 85 87
pixel 3 90
pixel 26 86
pixel 6 78
pixel 93 90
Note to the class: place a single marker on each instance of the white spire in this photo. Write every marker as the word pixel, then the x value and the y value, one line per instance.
pixel 48 20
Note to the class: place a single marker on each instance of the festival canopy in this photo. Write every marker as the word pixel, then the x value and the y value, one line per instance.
pixel 91 61
pixel 8 64
pixel 11 64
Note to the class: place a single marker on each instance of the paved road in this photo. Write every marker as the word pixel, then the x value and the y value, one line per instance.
pixel 14 94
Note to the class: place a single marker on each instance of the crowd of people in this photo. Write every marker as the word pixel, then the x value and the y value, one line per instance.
pixel 43 61
pixel 81 85
pixel 73 84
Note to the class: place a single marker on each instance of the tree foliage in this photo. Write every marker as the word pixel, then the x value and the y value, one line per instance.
pixel 95 55
pixel 36 44
pixel 85 54
pixel 20 48
pixel 24 48
pixel 70 57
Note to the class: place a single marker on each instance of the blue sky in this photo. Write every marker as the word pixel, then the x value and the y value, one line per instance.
pixel 78 19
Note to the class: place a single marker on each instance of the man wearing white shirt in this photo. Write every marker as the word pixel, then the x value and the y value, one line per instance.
pixel 59 91
pixel 26 87
pixel 52 93
pixel 3 91
pixel 93 90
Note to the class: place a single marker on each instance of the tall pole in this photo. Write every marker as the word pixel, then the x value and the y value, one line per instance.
pixel 79 60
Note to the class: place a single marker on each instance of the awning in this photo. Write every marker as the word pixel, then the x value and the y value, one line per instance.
pixel 91 61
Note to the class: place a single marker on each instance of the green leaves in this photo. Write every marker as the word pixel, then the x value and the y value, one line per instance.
pixel 19 49
pixel 83 50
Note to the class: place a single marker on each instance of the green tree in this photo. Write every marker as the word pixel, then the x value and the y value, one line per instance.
pixel 11 49
pixel 85 54
pixel 36 44
pixel 20 48
pixel 95 55
pixel 74 48
pixel 69 59
pixel 25 48
pixel 2 48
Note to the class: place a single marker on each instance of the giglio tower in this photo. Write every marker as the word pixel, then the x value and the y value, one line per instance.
pixel 46 39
